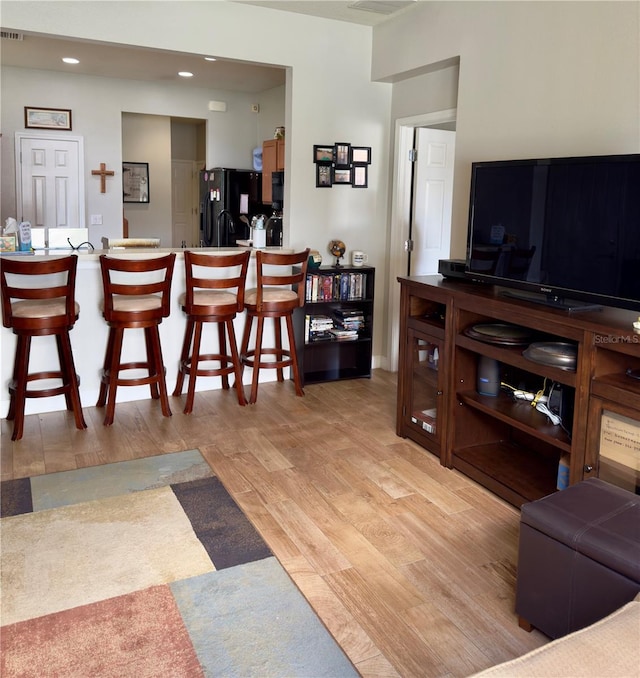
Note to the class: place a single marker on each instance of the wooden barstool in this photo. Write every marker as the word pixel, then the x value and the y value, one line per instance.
pixel 214 294
pixel 34 311
pixel 274 298
pixel 136 295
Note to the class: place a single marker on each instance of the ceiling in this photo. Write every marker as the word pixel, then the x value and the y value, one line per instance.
pixel 136 63
pixel 365 12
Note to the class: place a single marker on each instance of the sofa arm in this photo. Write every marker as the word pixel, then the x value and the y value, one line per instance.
pixel 609 648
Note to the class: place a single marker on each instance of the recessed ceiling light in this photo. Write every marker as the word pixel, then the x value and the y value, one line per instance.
pixel 185 74
pixel 71 60
pixel 210 59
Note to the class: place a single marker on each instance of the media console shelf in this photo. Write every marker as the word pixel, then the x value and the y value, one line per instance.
pixel 504 443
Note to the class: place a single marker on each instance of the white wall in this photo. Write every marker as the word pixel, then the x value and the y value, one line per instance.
pixel 330 97
pixel 536 79
pixel 272 112
pixel 436 90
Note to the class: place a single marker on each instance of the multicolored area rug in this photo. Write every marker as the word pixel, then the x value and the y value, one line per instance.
pixel 148 568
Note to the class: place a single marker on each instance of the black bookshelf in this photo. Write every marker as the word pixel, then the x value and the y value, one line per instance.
pixel 344 295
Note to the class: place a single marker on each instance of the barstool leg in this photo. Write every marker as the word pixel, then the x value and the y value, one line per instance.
pixel 108 357
pixel 245 336
pixel 152 360
pixel 112 372
pixel 154 340
pixel 237 366
pixel 244 347
pixel 184 358
pixel 256 360
pixel 293 356
pixel 193 368
pixel 70 377
pixel 21 372
pixel 277 330
pixel 222 344
pixel 12 392
pixel 64 373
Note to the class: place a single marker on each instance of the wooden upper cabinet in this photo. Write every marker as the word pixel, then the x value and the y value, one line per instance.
pixel 272 161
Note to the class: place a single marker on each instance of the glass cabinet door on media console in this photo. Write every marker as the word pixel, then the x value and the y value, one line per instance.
pixel 422 371
pixel 425 387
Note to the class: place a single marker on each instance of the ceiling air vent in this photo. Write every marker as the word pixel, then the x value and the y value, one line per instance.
pixel 381 6
pixel 11 35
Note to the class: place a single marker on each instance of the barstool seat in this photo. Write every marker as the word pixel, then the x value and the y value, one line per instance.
pixel 274 298
pixel 214 294
pixel 136 296
pixel 45 306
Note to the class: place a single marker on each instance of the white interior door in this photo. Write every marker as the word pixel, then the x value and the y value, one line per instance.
pixel 433 195
pixel 401 212
pixel 184 203
pixel 50 180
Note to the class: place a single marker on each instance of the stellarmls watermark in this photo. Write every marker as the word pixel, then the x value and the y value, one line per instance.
pixel 617 339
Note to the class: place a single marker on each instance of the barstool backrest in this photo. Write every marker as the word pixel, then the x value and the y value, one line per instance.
pixel 276 269
pixel 227 271
pixel 127 283
pixel 39 293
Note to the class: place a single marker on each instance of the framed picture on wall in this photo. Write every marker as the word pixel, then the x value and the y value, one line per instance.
pixel 342 156
pixel 322 153
pixel 323 176
pixel 341 176
pixel 47 118
pixel 360 178
pixel 360 155
pixel 135 182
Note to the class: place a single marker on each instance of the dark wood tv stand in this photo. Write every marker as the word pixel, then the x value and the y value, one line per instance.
pixel 506 444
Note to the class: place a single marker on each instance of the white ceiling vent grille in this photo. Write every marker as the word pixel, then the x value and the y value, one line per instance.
pixel 381 6
pixel 11 35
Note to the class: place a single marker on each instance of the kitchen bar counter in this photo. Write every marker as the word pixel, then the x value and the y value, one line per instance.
pixel 89 335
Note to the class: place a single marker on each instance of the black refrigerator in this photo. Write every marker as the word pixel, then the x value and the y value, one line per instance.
pixel 228 200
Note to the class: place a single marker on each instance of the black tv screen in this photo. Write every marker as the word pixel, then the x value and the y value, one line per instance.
pixel 562 228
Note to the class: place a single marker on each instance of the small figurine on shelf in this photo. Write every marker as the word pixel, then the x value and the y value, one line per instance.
pixel 337 248
pixel 315 259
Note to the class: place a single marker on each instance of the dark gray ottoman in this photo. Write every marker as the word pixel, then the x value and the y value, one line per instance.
pixel 579 557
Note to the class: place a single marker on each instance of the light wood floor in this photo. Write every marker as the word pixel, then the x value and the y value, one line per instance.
pixel 410 565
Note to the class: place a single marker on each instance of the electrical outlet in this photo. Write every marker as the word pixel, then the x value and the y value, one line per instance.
pixel 255 108
pixel 96 219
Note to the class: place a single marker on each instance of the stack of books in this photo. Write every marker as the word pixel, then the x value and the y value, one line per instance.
pixel 348 319
pixel 344 335
pixel 347 323
pixel 317 328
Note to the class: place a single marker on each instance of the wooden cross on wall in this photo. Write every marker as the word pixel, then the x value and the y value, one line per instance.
pixel 103 173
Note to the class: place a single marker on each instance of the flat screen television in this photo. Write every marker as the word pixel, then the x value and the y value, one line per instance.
pixel 562 231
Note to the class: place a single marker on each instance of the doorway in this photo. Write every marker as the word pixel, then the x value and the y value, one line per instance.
pixel 174 149
pixel 432 187
pixel 185 224
pixel 402 205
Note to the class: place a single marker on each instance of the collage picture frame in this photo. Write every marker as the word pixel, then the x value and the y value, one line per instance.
pixel 341 164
